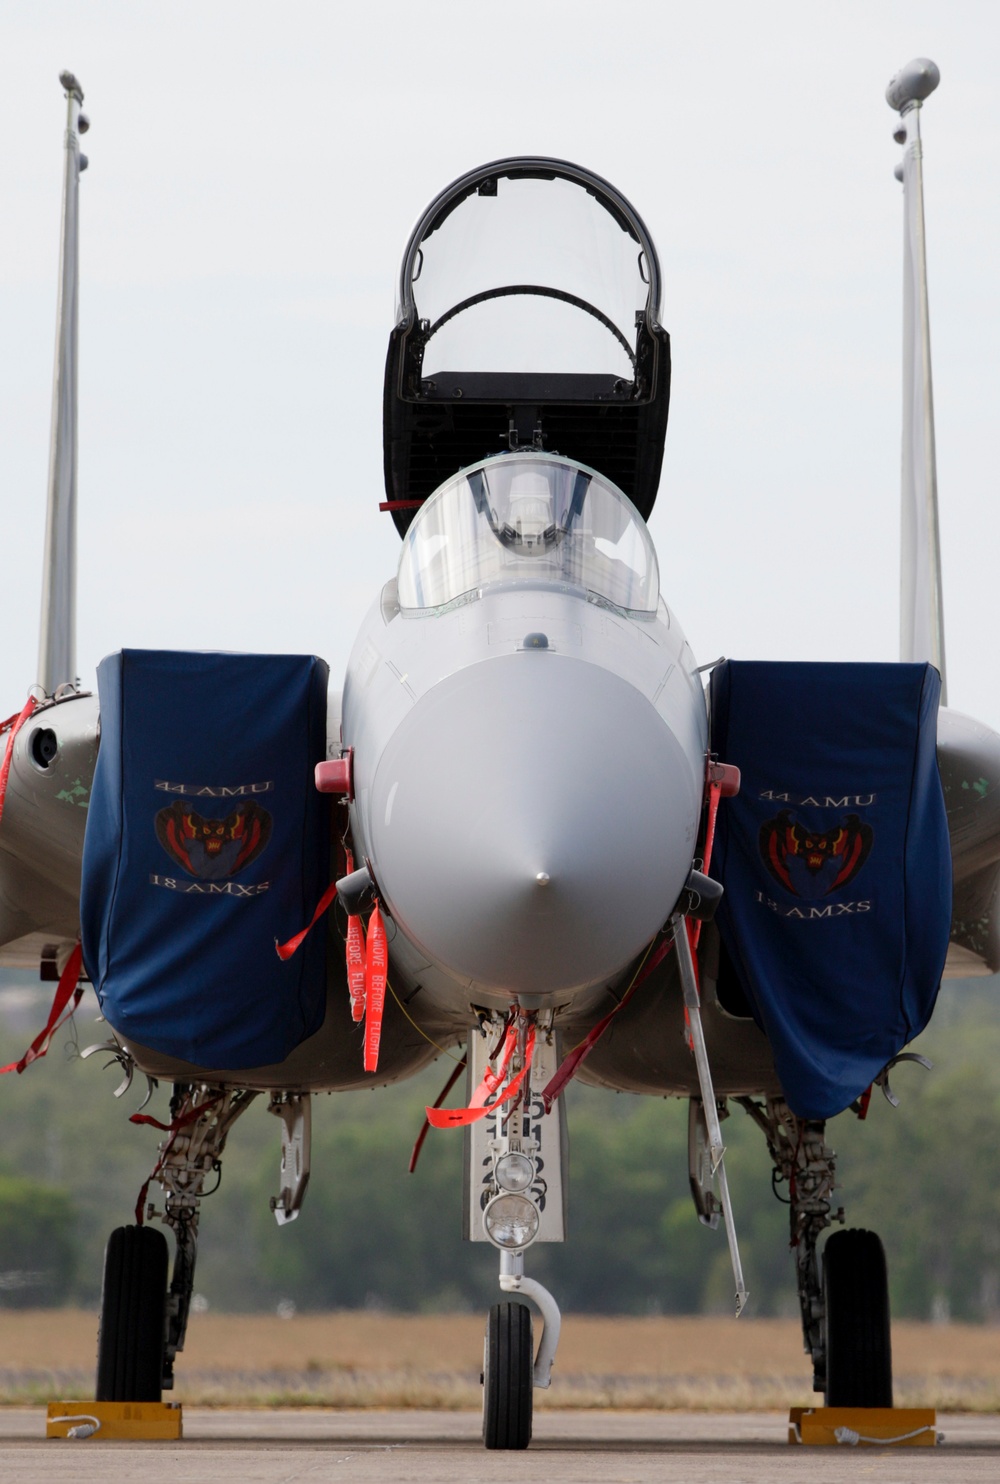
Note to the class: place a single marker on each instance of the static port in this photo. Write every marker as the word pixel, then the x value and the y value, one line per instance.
pixel 44 746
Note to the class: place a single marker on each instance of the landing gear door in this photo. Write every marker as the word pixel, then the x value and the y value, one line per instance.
pixel 550 1190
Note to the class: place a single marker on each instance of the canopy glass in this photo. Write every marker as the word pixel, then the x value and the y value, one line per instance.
pixel 529 274
pixel 533 519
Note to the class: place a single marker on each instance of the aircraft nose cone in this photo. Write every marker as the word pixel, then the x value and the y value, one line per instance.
pixel 532 823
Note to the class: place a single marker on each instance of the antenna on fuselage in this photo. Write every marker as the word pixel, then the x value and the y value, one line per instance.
pixel 921 629
pixel 57 644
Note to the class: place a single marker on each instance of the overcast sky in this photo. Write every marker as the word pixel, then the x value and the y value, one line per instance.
pixel 255 170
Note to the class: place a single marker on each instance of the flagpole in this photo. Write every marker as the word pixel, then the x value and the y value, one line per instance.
pixel 921 602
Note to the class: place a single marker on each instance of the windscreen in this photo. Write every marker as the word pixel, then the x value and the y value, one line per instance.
pixel 530 275
pixel 528 518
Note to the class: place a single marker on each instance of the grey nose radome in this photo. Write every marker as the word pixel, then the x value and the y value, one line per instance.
pixel 532 823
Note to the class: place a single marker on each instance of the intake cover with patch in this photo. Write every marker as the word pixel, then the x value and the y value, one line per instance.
pixel 836 862
pixel 206 841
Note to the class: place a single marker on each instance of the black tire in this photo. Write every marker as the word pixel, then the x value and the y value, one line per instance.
pixel 507 1377
pixel 858 1341
pixel 132 1334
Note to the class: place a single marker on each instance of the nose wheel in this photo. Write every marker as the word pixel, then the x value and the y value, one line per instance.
pixel 508 1363
pixel 509 1205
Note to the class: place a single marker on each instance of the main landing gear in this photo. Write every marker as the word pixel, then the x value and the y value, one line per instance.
pixel 132 1335
pixel 856 1305
pixel 845 1304
pixel 143 1322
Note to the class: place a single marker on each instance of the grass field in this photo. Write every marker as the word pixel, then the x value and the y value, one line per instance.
pixel 385 1360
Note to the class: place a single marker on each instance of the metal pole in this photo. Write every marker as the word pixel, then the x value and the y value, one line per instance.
pixel 921 600
pixel 57 644
pixel 692 1002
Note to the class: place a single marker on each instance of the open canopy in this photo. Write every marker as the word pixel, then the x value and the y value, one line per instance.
pixel 527 273
pixel 528 315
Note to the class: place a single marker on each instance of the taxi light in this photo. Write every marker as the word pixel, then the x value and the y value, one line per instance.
pixel 514 1172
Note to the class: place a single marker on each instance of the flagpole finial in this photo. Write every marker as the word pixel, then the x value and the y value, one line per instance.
pixel 912 84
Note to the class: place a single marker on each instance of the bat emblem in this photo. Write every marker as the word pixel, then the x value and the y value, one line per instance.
pixel 813 863
pixel 213 849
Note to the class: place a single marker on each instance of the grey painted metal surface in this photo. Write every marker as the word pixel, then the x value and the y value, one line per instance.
pixel 969 759
pixel 45 814
pixel 921 600
pixel 540 765
pixel 709 1104
pixel 57 646
pixel 483 762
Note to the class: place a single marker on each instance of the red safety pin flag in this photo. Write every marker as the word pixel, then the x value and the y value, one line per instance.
pixel 376 973
pixel 285 950
pixel 356 958
pixel 69 987
pixel 459 1117
pixel 357 967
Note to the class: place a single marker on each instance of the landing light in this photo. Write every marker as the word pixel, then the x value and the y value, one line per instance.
pixel 511 1221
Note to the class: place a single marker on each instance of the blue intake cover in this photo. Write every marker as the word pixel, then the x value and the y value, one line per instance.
pixel 206 841
pixel 836 862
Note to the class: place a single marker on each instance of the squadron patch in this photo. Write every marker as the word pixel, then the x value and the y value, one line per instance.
pixel 213 849
pixel 813 863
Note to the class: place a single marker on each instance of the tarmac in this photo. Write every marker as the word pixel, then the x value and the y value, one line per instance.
pixel 309 1446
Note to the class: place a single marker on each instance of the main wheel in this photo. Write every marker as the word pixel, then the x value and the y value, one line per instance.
pixel 508 1362
pixel 132 1334
pixel 858 1343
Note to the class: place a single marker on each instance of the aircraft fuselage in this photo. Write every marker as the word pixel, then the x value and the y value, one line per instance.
pixel 528 775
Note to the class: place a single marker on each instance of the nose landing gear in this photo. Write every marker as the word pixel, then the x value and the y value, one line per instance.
pixel 507 1378
pixel 516 1197
pixel 511 1369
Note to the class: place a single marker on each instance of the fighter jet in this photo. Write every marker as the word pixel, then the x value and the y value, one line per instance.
pixel 530 830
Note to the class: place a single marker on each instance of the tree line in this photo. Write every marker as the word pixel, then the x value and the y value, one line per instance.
pixel 371 1234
